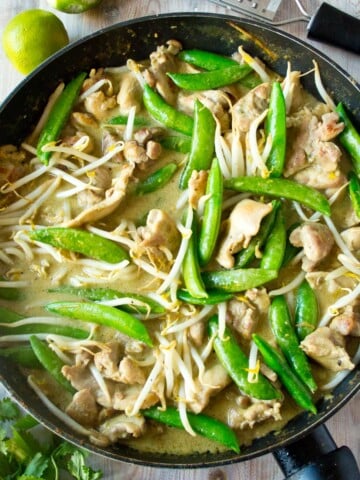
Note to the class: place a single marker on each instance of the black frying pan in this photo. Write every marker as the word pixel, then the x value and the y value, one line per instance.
pixel 304 448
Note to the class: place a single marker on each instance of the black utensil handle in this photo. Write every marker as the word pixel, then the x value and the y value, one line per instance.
pixel 316 457
pixel 336 27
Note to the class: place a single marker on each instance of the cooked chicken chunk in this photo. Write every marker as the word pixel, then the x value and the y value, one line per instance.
pixel 351 237
pixel 83 408
pixel 197 186
pixel 242 224
pixel 243 317
pixel 327 347
pixel 125 396
pixel 98 104
pixel 130 372
pixel 107 360
pixel 130 93
pixel 257 412
pixel 317 241
pixel 250 106
pixel 122 426
pixel 348 322
pixel 330 126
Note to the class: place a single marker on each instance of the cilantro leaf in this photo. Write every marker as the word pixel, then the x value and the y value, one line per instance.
pixel 79 470
pixel 8 409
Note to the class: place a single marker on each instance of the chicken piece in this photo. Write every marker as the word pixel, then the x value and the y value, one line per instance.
pixel 98 104
pixel 164 60
pixel 87 144
pixel 250 106
pixel 94 76
pixel 125 396
pixel 351 237
pixel 143 135
pixel 197 186
pixel 216 101
pixel 257 412
pixel 130 372
pixel 100 180
pixel 243 318
pixel 159 232
pixel 330 126
pixel 259 298
pixel 326 347
pixel 113 198
pixel 122 426
pixel 348 322
pixel 108 359
pixel 197 333
pixel 12 164
pixel 130 94
pixel 214 379
pixel 317 241
pixel 135 153
pixel 242 224
pixel 83 408
pixel 84 120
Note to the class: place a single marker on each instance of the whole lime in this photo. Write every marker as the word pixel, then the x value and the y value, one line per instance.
pixel 32 36
pixel 73 6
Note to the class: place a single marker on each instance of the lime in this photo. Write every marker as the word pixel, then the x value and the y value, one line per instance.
pixel 31 37
pixel 73 6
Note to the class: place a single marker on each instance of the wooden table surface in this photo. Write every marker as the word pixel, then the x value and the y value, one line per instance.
pixel 344 426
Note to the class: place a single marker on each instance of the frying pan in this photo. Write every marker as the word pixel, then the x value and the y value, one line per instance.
pixel 303 448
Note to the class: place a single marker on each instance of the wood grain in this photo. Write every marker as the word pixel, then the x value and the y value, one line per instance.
pixel 343 425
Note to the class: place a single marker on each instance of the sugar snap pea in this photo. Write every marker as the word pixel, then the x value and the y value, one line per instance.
pixel 50 361
pixel 285 335
pixel 81 241
pixel 202 143
pixel 306 310
pixel 22 355
pixel 102 315
pixel 9 316
pixel 211 79
pixel 281 188
pixel 165 113
pixel 10 293
pixel 190 268
pixel 238 280
pixel 202 424
pixel 236 364
pixel 123 119
pixel 205 59
pixel 274 250
pixel 58 116
pixel 290 250
pixel 157 179
pixel 291 382
pixel 247 255
pixel 350 137
pixel 213 297
pixel 275 126
pixel 98 293
pixel 354 192
pixel 210 225
pixel 177 143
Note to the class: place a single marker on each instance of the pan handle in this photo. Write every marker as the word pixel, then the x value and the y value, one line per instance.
pixel 316 457
pixel 335 27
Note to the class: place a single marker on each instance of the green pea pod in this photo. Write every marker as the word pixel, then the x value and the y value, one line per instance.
pixel 248 254
pixel 236 363
pixel 354 192
pixel 281 188
pixel 275 126
pixel 97 294
pixel 202 144
pixel 81 241
pixel 213 297
pixel 212 79
pixel 291 382
pixel 274 250
pixel 190 268
pixel 205 59
pixel 350 138
pixel 210 225
pixel 285 335
pixel 166 114
pixel 306 310
pixel 59 116
pixel 204 425
pixel 123 120
pixel 51 362
pixel 10 293
pixel 23 355
pixel 238 280
pixel 9 316
pixel 102 315
pixel 157 179
pixel 177 143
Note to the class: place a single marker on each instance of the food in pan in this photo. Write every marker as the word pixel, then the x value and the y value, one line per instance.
pixel 179 251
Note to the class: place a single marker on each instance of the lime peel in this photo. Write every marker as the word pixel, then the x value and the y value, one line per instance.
pixel 73 6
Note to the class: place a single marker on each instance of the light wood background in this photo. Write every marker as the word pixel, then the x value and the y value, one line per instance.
pixel 344 426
